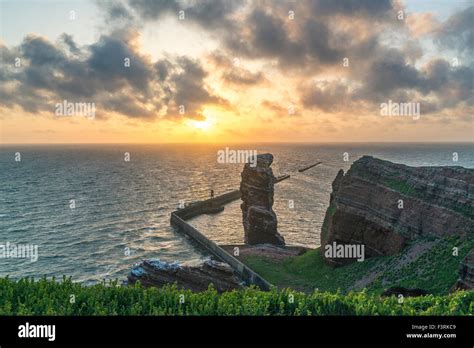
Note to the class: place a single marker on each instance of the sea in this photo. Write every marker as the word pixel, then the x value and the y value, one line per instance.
pixel 93 211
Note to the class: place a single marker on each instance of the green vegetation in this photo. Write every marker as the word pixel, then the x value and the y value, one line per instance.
pixel 434 270
pixel 400 186
pixel 309 272
pixel 464 209
pixel 48 297
pixel 329 212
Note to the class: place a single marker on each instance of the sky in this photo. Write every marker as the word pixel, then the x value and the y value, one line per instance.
pixel 213 71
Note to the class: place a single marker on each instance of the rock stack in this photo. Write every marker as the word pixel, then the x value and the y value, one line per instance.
pixel 256 188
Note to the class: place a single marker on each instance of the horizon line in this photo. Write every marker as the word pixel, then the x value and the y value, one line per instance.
pixel 244 143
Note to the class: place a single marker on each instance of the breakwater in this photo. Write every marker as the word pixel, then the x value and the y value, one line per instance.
pixel 178 220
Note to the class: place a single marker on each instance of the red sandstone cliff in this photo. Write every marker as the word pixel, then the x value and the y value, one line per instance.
pixel 382 205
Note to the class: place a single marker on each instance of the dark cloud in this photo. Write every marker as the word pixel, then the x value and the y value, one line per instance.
pixel 99 73
pixel 243 77
pixel 368 8
pixel 189 89
pixel 322 34
pixel 317 37
pixel 268 34
pixel 115 10
pixel 154 9
pixel 438 76
pixel 390 72
pixel 41 52
pixel 7 61
pixel 213 13
pixel 313 39
pixel 70 43
pixel 436 87
pixel 207 13
pixel 163 68
pixel 458 32
pixel 109 60
pixel 327 96
pixel 233 73
pixel 126 104
pixel 263 30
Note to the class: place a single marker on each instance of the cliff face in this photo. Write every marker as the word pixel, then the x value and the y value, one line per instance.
pixel 259 219
pixel 382 205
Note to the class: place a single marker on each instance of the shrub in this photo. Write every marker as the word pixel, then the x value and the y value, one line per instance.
pixel 49 297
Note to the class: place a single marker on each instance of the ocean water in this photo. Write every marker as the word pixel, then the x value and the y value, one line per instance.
pixel 122 208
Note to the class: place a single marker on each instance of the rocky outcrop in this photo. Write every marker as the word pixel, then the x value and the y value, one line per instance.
pixel 405 292
pixel 195 277
pixel 466 273
pixel 382 205
pixel 256 188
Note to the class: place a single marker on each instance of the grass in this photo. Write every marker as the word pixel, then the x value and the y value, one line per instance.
pixel 436 270
pixel 49 297
pixel 400 186
pixel 309 272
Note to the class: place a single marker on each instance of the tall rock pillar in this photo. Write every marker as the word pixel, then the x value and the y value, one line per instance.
pixel 259 219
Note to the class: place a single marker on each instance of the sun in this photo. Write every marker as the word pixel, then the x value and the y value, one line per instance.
pixel 202 125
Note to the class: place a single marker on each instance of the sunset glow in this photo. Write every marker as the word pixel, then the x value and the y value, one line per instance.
pixel 153 77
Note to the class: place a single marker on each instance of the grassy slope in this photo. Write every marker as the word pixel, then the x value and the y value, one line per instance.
pixel 435 270
pixel 48 297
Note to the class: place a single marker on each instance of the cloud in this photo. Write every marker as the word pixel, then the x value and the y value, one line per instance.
pixel 420 24
pixel 115 11
pixel 279 110
pixel 154 9
pixel 208 13
pixel 368 8
pixel 326 96
pixel 110 72
pixel 189 90
pixel 318 38
pixel 389 72
pixel 436 86
pixel 269 38
pixel 320 35
pixel 385 56
pixel 437 77
pixel 114 60
pixel 41 52
pixel 262 29
pixel 234 73
pixel 70 44
pixel 213 13
pixel 243 77
pixel 457 32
